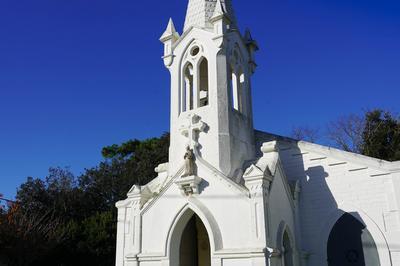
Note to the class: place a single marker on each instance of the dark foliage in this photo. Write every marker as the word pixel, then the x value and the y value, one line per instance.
pixel 381 136
pixel 68 220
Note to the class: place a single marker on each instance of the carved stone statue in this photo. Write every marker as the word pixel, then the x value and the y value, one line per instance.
pixel 189 163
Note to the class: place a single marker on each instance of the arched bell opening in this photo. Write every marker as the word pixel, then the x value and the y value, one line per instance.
pixel 203 93
pixel 351 244
pixel 187 93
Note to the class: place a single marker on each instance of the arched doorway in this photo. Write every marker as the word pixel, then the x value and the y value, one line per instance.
pixel 287 250
pixel 195 244
pixel 351 244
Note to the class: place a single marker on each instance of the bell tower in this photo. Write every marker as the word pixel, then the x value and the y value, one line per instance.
pixel 211 65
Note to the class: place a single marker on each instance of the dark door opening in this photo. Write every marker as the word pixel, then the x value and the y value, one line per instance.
pixel 351 244
pixel 195 244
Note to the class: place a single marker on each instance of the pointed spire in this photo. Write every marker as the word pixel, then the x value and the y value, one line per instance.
pixel 170 32
pixel 249 40
pixel 252 47
pixel 200 12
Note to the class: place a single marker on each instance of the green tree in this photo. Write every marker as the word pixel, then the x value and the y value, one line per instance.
pixel 127 164
pixel 381 136
pixel 68 220
pixel 376 133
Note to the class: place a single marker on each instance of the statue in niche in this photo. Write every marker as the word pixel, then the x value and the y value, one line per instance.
pixel 189 162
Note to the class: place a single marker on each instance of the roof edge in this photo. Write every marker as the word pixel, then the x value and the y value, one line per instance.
pixel 331 151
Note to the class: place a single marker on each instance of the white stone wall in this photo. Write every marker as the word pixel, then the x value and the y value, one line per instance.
pixel 333 182
pixel 281 216
pixel 225 209
pixel 229 209
pixel 229 139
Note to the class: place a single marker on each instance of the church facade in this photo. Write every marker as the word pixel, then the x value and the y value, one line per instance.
pixel 234 196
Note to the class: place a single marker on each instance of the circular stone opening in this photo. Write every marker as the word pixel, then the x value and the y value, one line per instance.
pixel 195 51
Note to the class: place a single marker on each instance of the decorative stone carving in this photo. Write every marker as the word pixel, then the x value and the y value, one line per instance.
pixel 190 167
pixel 189 182
pixel 189 185
pixel 257 181
pixel 162 168
pixel 139 196
pixel 192 128
pixel 169 38
pixel 269 147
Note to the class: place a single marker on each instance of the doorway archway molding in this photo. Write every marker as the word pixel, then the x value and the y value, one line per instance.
pixel 179 223
pixel 366 220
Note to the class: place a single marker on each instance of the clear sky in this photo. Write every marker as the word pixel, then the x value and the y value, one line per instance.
pixel 77 75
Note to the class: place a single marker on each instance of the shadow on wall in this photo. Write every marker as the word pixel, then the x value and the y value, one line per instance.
pixel 349 242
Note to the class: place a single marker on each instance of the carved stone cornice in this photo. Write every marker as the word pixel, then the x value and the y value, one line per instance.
pixel 139 196
pixel 189 185
pixel 257 181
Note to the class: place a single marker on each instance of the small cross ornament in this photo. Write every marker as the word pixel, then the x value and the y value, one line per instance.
pixel 192 128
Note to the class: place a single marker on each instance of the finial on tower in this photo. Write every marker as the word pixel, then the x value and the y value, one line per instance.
pixel 169 37
pixel 252 46
pixel 170 32
pixel 249 40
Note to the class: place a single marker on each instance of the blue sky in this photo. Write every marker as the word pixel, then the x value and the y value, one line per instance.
pixel 77 75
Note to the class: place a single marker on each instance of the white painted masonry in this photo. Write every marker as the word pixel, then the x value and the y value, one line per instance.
pixel 250 188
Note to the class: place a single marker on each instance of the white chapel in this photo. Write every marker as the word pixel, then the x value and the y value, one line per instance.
pixel 234 196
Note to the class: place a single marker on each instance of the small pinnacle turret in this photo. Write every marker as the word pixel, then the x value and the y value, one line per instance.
pixel 169 37
pixel 252 46
pixel 170 32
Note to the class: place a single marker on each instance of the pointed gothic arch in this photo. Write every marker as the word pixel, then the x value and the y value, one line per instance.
pixel 363 218
pixel 240 91
pixel 179 224
pixel 196 80
pixel 203 82
pixel 187 91
pixel 234 90
pixel 286 243
pixel 350 243
pixel 238 82
pixel 287 249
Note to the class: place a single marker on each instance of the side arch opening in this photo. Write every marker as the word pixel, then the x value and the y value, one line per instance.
pixel 287 244
pixel 287 248
pixel 351 244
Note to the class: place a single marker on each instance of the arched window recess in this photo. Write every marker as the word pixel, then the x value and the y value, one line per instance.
pixel 203 78
pixel 187 88
pixel 238 81
pixel 196 83
pixel 238 85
